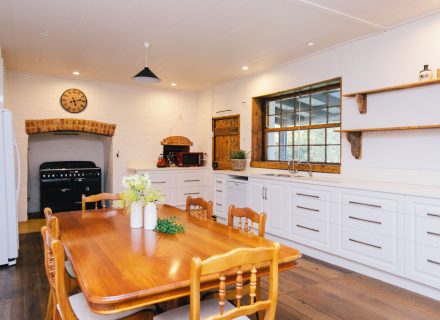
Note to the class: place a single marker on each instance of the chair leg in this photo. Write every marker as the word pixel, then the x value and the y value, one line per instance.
pixel 260 314
pixel 50 306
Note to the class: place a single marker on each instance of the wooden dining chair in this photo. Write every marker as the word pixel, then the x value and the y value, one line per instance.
pixel 69 269
pixel 199 207
pixel 246 219
pixel 100 197
pixel 75 306
pixel 222 265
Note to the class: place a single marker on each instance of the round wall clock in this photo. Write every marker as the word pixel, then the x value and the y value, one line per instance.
pixel 73 100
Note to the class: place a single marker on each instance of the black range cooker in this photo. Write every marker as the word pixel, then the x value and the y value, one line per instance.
pixel 62 184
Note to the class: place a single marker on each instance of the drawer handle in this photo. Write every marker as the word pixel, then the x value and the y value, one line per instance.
pixel 432 261
pixel 366 244
pixel 219 190
pixel 221 111
pixel 365 220
pixel 307 195
pixel 310 209
pixel 365 204
pixel 219 204
pixel 158 182
pixel 311 229
pixel 190 193
pixel 219 181
pixel 195 180
pixel 433 215
pixel 433 233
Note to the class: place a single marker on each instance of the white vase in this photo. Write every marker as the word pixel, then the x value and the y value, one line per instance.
pixel 136 215
pixel 150 216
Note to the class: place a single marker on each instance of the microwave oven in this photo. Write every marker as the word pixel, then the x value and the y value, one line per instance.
pixel 189 159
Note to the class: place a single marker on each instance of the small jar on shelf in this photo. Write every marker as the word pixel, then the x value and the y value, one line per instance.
pixel 425 74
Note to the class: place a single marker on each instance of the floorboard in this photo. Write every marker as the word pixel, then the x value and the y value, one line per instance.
pixel 315 290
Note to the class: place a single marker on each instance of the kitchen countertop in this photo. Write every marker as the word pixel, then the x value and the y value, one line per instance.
pixel 338 181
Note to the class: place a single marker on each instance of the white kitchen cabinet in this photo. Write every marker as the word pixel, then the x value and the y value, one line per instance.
pixel 226 101
pixel 271 197
pixel 219 197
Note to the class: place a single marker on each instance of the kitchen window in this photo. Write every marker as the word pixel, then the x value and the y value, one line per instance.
pixel 300 124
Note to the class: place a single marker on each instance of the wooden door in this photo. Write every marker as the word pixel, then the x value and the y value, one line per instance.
pixel 226 137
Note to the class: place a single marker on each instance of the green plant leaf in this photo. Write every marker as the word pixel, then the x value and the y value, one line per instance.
pixel 169 226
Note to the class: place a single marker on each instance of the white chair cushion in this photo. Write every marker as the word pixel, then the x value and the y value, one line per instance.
pixel 69 268
pixel 82 311
pixel 207 308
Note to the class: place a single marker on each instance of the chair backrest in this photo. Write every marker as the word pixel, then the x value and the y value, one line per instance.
pixel 100 197
pixel 60 290
pixel 50 232
pixel 199 207
pixel 237 260
pixel 246 219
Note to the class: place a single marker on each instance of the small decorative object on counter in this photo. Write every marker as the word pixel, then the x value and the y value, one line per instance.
pixel 171 159
pixel 161 162
pixel 138 192
pixel 425 74
pixel 438 73
pixel 238 159
pixel 150 210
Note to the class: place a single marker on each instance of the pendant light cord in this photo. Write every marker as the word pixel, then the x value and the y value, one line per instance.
pixel 146 45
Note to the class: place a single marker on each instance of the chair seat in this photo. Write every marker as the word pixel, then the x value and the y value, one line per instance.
pixel 82 311
pixel 69 269
pixel 207 308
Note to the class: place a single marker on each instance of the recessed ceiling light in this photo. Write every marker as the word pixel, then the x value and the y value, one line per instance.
pixel 311 43
pixel 44 33
pixel 173 84
pixel 75 73
pixel 245 68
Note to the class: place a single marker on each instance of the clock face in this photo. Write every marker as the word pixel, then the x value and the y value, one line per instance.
pixel 73 100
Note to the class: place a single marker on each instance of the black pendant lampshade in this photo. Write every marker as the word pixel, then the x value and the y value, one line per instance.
pixel 146 75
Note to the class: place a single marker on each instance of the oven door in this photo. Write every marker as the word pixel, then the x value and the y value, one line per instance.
pixel 87 186
pixel 56 194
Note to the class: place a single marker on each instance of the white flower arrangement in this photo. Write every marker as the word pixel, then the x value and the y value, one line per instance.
pixel 138 189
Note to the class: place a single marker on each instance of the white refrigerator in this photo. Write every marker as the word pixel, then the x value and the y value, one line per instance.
pixel 9 189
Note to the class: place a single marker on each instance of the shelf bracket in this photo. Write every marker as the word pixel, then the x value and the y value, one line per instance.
pixel 355 139
pixel 361 100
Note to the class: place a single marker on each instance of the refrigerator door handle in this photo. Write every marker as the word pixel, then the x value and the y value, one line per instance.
pixel 17 190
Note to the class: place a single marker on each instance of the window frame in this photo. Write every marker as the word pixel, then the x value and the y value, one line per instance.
pixel 260 122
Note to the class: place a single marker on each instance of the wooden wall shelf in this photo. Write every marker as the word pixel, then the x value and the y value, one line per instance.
pixel 361 96
pixel 354 136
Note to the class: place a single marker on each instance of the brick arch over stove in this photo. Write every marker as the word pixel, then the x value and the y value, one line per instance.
pixel 68 124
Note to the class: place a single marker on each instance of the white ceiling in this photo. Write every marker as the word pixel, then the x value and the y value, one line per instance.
pixel 194 43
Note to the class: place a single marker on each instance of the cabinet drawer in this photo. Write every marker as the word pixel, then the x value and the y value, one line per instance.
pixel 372 249
pixel 425 207
pixel 190 179
pixel 423 264
pixel 373 220
pixel 219 185
pixel 183 193
pixel 310 229
pixel 427 231
pixel 311 208
pixel 308 194
pixel 160 181
pixel 220 206
pixel 373 200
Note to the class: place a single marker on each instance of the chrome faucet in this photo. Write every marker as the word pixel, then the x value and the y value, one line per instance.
pixel 310 168
pixel 294 170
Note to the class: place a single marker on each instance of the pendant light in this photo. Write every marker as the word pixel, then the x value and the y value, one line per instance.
pixel 146 75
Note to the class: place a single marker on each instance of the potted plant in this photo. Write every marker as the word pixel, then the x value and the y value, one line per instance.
pixel 238 159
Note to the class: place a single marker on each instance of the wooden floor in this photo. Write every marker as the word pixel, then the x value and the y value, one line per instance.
pixel 315 290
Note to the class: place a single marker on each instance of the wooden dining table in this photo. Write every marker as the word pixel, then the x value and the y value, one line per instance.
pixel 119 268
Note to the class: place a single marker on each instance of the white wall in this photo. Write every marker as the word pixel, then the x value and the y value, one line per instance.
pixel 54 147
pixel 144 116
pixel 390 58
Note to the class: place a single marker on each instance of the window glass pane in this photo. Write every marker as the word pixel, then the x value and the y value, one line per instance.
pixel 288 105
pixel 317 153
pixel 334 154
pixel 272 153
pixel 302 119
pixel 273 138
pixel 334 97
pixel 273 121
pixel 302 151
pixel 301 137
pixel 332 136
pixel 317 136
pixel 288 119
pixel 285 153
pixel 319 115
pixel 273 107
pixel 286 137
pixel 302 103
pixel 334 115
pixel 319 100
